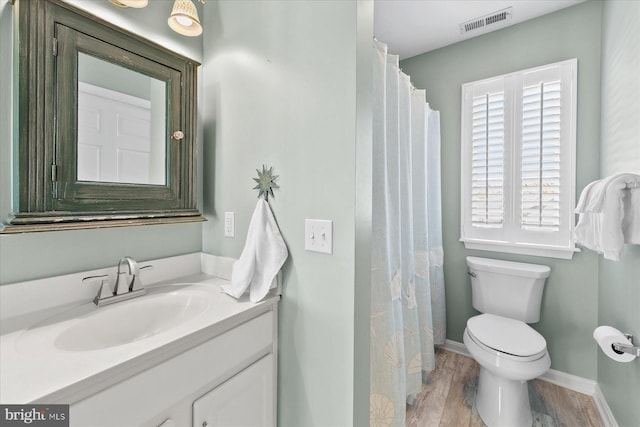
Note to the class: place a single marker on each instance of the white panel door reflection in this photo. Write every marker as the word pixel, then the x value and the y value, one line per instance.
pixel 114 137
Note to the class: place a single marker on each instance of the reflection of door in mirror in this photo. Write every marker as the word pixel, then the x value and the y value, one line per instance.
pixel 121 124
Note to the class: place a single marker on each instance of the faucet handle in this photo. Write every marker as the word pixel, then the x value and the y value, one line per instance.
pixel 104 291
pixel 136 283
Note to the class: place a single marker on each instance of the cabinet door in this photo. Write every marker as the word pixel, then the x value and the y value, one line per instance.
pixel 245 400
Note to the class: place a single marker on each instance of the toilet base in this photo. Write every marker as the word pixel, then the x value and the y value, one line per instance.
pixel 502 402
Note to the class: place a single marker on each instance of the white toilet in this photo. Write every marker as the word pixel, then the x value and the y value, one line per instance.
pixel 509 351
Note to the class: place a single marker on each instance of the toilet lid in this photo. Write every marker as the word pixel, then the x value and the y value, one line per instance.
pixel 506 335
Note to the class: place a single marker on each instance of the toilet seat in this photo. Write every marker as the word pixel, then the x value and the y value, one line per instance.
pixel 506 337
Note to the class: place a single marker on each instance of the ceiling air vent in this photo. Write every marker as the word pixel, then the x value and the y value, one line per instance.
pixel 484 21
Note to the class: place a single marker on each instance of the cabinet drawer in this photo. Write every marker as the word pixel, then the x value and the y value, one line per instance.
pixel 149 393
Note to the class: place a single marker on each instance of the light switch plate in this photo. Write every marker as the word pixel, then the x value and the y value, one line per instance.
pixel 318 235
pixel 229 224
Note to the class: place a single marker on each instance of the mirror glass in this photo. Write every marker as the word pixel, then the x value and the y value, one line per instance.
pixel 121 124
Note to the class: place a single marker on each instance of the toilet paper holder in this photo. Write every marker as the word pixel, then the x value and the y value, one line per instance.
pixel 621 348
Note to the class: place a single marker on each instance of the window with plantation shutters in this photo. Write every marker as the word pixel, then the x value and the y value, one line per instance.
pixel 518 161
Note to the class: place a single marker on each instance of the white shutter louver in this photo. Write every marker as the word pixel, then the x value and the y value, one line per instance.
pixel 487 161
pixel 540 160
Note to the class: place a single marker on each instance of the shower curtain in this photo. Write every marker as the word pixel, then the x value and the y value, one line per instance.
pixel 407 282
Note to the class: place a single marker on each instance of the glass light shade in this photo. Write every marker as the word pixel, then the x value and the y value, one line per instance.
pixel 131 3
pixel 184 18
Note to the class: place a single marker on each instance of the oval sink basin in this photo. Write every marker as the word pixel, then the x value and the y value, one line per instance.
pixel 87 327
pixel 132 320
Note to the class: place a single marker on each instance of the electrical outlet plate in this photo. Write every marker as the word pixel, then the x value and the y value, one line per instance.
pixel 229 224
pixel 318 235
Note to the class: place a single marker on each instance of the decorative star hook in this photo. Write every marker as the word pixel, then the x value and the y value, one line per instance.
pixel 266 182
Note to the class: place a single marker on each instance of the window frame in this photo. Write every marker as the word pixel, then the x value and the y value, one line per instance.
pixel 511 238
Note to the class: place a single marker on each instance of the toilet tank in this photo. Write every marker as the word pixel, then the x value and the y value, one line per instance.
pixel 505 288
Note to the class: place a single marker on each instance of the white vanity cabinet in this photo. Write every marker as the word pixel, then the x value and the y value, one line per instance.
pixel 228 380
pixel 245 400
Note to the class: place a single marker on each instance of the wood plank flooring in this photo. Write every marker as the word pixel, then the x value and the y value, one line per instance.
pixel 447 399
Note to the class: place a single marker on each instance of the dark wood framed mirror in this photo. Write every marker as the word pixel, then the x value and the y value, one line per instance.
pixel 106 125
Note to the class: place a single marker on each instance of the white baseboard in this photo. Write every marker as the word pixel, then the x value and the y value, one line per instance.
pixel 456 347
pixel 562 379
pixel 603 408
pixel 572 382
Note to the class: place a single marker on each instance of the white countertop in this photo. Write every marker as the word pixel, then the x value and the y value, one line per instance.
pixel 34 370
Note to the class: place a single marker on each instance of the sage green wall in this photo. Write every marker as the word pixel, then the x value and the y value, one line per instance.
pixel 280 89
pixel 569 306
pixel 619 282
pixel 37 255
pixel 620 150
pixel 619 302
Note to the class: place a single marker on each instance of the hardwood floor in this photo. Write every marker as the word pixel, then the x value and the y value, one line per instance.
pixel 447 399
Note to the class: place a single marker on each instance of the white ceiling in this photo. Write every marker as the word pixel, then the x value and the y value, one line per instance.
pixel 412 27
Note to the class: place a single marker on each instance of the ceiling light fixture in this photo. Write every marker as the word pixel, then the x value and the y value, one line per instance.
pixel 184 18
pixel 130 3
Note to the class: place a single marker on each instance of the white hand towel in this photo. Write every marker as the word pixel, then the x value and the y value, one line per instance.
pixel 605 222
pixel 585 197
pixel 611 215
pixel 588 229
pixel 597 195
pixel 263 255
pixel 631 219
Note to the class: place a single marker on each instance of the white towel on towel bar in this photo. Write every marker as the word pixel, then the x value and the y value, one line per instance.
pixel 586 198
pixel 604 215
pixel 596 191
pixel 631 218
pixel 262 258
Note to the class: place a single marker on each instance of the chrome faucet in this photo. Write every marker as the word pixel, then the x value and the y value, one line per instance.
pixel 128 290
